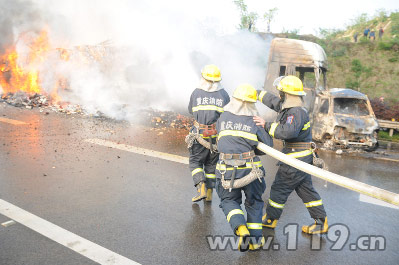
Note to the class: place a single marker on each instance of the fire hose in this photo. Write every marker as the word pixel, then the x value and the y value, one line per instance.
pixel 336 179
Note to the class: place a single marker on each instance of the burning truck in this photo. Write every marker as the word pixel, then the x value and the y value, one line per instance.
pixel 28 70
pixel 339 117
pixel 34 73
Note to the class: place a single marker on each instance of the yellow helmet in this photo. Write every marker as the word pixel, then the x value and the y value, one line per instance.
pixel 290 84
pixel 211 73
pixel 246 92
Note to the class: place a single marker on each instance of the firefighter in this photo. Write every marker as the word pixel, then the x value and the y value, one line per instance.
pixel 206 104
pixel 292 125
pixel 239 167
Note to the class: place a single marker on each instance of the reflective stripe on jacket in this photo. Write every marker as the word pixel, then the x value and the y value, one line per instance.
pixel 291 125
pixel 206 107
pixel 239 134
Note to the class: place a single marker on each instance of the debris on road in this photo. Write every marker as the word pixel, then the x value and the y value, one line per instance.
pixel 168 119
pixel 22 99
pixel 30 101
pixel 153 118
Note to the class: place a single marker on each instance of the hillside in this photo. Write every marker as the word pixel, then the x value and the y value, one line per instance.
pixel 371 67
pixel 366 67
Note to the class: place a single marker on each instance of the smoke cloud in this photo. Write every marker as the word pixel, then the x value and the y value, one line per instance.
pixel 17 17
pixel 156 49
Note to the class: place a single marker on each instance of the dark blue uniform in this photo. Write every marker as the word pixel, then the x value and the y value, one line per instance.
pixel 206 108
pixel 238 134
pixel 292 125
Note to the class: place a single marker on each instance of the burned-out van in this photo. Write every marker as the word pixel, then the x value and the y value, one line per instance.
pixel 344 117
pixel 339 116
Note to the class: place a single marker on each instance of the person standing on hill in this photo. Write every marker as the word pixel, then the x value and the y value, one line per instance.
pixel 366 32
pixel 355 36
pixel 372 35
pixel 380 33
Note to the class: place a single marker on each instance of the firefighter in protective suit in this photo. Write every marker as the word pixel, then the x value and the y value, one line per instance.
pixel 206 104
pixel 239 167
pixel 293 127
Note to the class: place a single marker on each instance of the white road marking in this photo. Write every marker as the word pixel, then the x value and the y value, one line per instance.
pixel 184 160
pixel 68 239
pixel 141 151
pixel 371 200
pixel 8 223
pixel 13 122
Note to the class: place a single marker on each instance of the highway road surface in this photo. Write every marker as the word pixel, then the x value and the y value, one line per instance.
pixel 86 190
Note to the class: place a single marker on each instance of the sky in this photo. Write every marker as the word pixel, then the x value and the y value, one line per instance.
pixel 310 15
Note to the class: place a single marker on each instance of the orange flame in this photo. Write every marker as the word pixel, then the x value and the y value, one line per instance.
pixel 16 77
pixel 21 71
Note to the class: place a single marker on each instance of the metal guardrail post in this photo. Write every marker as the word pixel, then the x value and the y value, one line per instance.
pixel 391 125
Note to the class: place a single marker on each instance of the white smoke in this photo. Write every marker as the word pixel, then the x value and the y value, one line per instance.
pixel 160 47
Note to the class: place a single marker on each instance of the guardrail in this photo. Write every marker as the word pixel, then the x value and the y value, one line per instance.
pixel 342 181
pixel 391 125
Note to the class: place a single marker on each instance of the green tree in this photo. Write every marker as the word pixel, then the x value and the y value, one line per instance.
pixel 269 17
pixel 248 19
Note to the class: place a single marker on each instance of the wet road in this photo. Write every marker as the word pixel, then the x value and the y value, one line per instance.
pixel 140 207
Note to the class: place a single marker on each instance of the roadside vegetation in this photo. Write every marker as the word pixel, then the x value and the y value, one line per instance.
pixel 370 66
pixel 384 135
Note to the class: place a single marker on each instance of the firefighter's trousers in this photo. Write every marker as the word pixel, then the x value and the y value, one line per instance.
pixel 288 179
pixel 202 164
pixel 231 205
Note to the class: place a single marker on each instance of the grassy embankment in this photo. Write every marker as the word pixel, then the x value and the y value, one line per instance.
pixel 384 135
pixel 369 66
pixel 372 67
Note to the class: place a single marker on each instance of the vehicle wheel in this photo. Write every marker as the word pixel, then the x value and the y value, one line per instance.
pixel 372 148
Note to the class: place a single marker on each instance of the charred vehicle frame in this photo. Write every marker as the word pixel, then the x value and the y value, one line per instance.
pixel 354 125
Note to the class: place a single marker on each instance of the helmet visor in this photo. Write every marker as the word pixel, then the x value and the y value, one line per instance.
pixel 277 80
